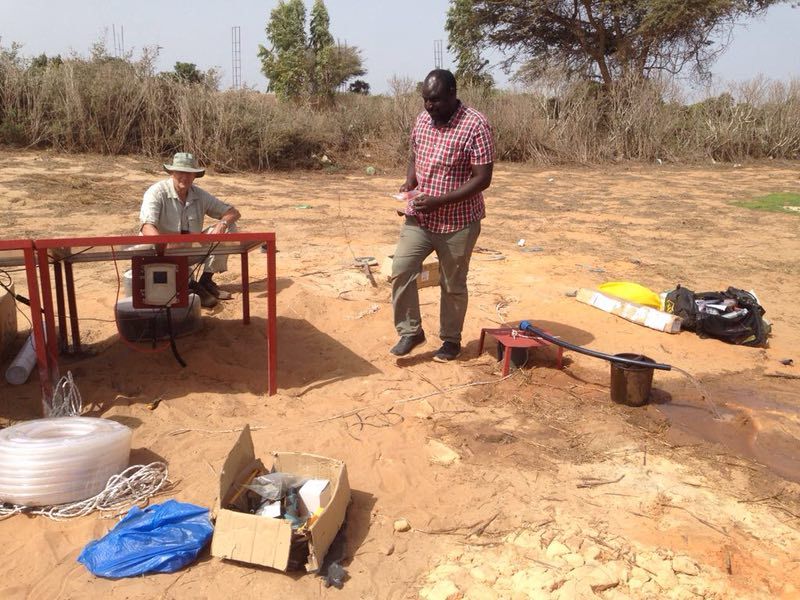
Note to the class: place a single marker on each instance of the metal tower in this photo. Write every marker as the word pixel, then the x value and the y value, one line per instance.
pixel 236 56
pixel 437 54
pixel 119 41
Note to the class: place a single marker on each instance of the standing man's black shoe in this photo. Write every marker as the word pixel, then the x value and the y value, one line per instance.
pixel 407 343
pixel 449 351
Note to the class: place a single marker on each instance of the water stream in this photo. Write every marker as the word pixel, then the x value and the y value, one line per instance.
pixel 700 390
pixel 752 417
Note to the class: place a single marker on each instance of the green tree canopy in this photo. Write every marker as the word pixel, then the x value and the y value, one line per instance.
pixel 285 63
pixel 188 73
pixel 306 66
pixel 465 37
pixel 359 86
pixel 609 39
pixel 342 63
pixel 320 37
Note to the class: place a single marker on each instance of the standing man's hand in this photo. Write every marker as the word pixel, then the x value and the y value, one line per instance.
pixel 411 180
pixel 424 203
pixel 411 175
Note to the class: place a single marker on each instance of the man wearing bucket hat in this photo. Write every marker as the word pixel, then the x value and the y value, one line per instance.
pixel 176 205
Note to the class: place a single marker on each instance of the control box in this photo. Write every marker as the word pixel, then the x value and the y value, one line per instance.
pixel 160 281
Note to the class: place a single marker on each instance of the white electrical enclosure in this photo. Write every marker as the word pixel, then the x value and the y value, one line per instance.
pixel 160 287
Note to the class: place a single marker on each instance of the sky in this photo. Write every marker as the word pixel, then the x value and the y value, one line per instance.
pixel 397 38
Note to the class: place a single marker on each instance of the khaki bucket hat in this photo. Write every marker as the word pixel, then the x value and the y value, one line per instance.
pixel 185 162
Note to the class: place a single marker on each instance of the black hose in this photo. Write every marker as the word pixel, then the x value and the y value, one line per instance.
pixel 173 346
pixel 526 326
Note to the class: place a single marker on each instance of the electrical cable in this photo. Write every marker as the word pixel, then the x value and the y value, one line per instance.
pixel 17 297
pixel 70 255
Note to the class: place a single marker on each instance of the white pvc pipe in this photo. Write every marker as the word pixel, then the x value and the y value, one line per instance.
pixel 20 368
pixel 127 283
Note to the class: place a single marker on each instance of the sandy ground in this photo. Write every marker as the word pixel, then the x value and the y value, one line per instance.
pixel 537 486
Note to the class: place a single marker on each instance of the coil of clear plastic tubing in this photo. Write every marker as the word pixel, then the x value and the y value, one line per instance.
pixel 60 460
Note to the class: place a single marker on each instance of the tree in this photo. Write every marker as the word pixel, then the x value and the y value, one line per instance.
pixel 300 66
pixel 465 39
pixel 12 54
pixel 320 44
pixel 285 65
pixel 320 37
pixel 342 64
pixel 359 86
pixel 608 40
pixel 41 62
pixel 187 73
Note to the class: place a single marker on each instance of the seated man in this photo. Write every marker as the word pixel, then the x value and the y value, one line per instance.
pixel 175 205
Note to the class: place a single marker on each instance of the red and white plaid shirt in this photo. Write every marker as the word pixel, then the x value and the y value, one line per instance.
pixel 444 158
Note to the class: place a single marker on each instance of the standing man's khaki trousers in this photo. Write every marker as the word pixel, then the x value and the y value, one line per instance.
pixel 454 251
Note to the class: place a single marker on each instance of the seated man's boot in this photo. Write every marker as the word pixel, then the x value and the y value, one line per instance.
pixel 207 282
pixel 207 299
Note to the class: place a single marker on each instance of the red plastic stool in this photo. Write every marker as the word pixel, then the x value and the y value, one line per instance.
pixel 509 337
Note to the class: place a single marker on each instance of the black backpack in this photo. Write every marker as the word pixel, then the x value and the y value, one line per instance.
pixel 734 316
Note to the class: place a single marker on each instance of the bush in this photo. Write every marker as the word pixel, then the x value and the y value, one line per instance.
pixel 114 106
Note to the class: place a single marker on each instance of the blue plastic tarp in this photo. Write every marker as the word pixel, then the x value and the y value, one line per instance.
pixel 162 538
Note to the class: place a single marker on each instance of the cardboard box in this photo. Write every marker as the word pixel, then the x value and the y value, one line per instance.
pixel 631 311
pixel 429 275
pixel 265 541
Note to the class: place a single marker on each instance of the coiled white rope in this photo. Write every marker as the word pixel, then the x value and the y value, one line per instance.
pixel 133 485
pixel 66 400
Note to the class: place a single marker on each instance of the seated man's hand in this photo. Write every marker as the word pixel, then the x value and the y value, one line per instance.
pixel 220 227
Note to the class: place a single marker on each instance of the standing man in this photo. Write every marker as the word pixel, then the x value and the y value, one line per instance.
pixel 452 156
pixel 175 205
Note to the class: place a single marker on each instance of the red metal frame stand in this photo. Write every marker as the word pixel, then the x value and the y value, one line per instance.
pixel 509 337
pixel 46 367
pixel 61 254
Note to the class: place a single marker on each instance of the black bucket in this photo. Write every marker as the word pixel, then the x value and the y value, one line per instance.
pixel 631 384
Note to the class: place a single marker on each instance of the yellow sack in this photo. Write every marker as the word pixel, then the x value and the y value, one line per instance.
pixel 633 292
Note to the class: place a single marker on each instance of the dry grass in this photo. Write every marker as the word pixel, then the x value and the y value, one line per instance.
pixel 115 106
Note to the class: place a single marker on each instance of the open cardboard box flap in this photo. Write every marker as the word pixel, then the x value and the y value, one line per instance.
pixel 263 540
